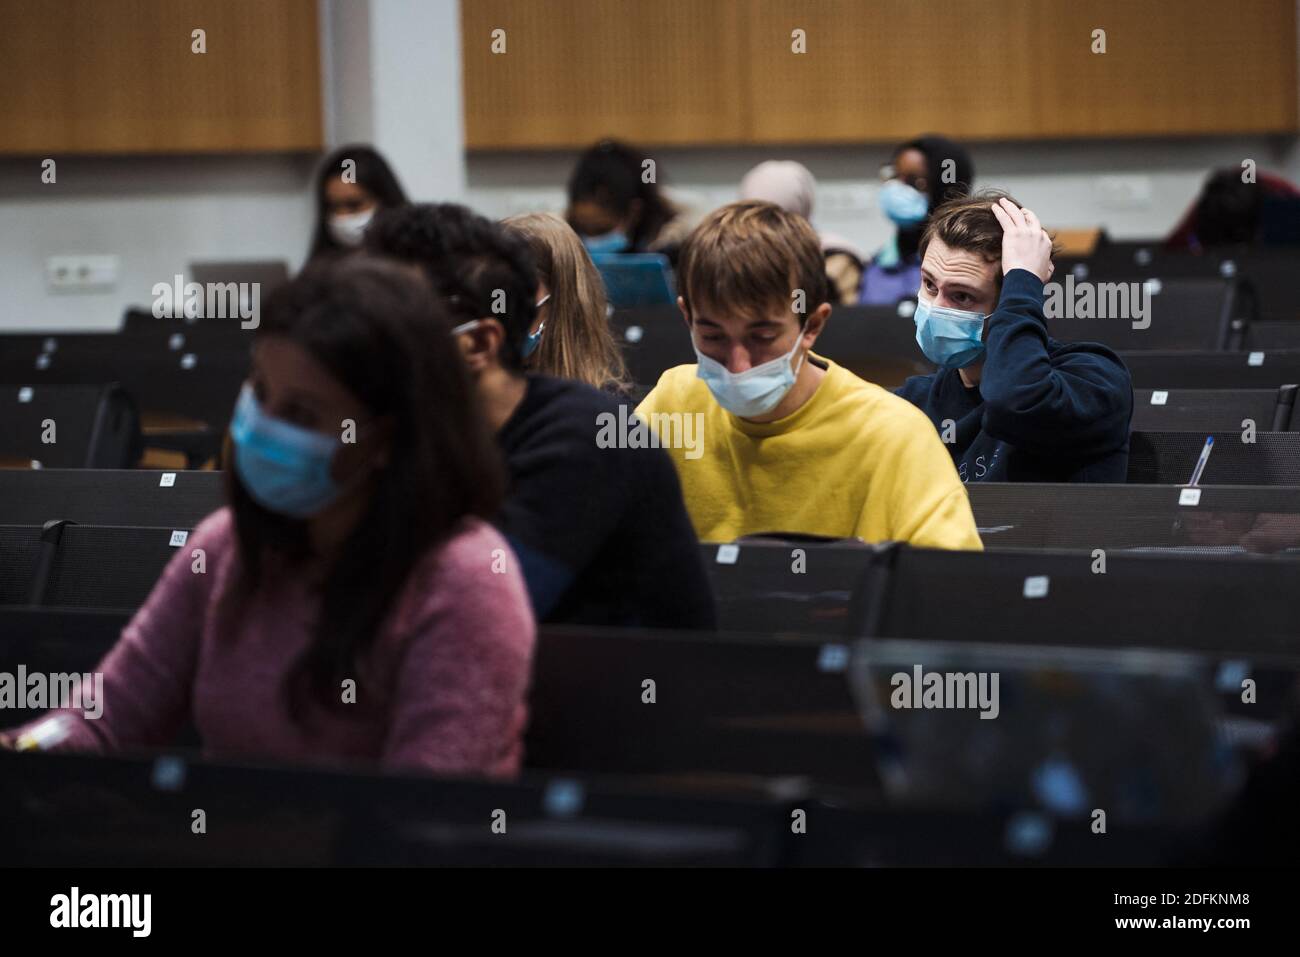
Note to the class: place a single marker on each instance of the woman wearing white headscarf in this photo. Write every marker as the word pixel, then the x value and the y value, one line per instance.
pixel 791 186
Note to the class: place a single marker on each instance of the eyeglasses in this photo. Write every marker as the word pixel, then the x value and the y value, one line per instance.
pixel 473 323
pixel 890 171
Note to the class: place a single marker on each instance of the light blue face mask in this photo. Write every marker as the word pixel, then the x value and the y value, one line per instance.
pixel 950 338
pixel 755 391
pixel 904 205
pixel 284 467
pixel 614 241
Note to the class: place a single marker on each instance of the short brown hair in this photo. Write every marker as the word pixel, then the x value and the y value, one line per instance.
pixel 754 255
pixel 968 223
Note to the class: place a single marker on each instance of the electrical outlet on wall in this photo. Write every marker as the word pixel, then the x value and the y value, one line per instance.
pixel 81 273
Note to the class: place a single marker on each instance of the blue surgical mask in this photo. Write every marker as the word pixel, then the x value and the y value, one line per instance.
pixel 614 241
pixel 904 205
pixel 950 338
pixel 283 467
pixel 534 339
pixel 755 391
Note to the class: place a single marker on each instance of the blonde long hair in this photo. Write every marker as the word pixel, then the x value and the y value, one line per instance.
pixel 576 342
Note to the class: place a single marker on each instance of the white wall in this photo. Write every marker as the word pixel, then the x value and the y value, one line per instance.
pixel 391 74
pixel 393 78
pixel 156 214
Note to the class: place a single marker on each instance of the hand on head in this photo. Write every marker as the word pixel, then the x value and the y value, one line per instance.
pixel 1025 244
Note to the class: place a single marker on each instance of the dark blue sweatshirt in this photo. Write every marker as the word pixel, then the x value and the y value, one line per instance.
pixel 1044 411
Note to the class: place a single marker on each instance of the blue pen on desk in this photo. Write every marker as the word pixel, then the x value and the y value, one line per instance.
pixel 1200 463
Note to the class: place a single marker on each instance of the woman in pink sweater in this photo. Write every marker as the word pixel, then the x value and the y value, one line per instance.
pixel 351 604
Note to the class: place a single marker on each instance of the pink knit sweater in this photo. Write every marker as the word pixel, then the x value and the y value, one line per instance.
pixel 448 672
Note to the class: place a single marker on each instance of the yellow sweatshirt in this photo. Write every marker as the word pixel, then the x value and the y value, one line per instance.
pixel 854 460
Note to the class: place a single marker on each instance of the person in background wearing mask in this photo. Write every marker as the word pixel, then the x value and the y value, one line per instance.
pixel 598 526
pixel 1011 403
pixel 347 610
pixel 570 338
pixel 347 198
pixel 615 210
pixel 791 186
pixel 793 442
pixel 923 173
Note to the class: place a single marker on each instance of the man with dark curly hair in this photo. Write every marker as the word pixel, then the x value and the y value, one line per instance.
pixel 599 527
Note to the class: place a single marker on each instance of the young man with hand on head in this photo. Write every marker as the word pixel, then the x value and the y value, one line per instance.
pixel 601 532
pixel 1011 403
pixel 791 441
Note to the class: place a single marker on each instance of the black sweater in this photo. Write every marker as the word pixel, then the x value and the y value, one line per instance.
pixel 602 534
pixel 1044 411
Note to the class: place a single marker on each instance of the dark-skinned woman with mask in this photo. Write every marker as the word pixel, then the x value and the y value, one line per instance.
pixel 921 174
pixel 616 205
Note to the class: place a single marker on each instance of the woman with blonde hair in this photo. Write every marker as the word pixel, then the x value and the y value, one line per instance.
pixel 570 337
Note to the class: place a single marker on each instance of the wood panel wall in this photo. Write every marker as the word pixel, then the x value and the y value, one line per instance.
pixel 715 72
pixel 667 70
pixel 119 76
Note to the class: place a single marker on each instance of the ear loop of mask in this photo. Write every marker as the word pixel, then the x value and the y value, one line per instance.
pixel 473 324
pixel 534 339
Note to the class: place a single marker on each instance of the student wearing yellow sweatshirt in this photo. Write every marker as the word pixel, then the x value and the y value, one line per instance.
pixel 791 441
